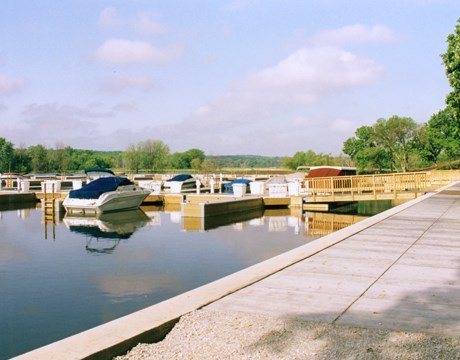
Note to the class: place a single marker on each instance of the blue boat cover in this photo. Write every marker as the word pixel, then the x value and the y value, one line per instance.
pixel 99 170
pixel 99 186
pixel 181 177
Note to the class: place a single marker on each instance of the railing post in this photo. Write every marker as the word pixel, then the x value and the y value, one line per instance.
pixel 373 187
pixel 394 186
pixel 332 188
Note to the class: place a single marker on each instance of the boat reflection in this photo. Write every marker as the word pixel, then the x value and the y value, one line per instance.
pixel 103 233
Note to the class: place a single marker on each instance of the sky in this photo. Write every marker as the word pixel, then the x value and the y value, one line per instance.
pixel 260 77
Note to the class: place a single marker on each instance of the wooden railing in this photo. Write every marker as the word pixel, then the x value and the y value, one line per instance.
pixel 375 187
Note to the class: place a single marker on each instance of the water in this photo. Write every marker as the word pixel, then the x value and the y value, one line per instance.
pixel 59 279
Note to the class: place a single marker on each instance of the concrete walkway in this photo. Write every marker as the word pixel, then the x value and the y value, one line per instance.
pixel 402 273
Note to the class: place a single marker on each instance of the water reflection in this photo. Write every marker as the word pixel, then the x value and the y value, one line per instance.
pixel 104 233
pixel 155 254
pixel 214 222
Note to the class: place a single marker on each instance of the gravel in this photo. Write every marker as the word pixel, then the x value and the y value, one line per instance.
pixel 209 334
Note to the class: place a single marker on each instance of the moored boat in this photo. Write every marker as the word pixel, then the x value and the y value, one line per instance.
pixel 105 194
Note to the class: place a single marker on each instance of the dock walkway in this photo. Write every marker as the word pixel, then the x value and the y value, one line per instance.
pixel 402 273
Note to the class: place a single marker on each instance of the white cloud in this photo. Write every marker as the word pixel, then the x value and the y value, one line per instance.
pixel 126 52
pixel 356 34
pixel 142 22
pixel 146 24
pixel 9 85
pixel 342 126
pixel 310 73
pixel 121 84
pixel 269 102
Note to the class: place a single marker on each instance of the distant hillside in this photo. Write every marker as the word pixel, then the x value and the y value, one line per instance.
pixel 246 161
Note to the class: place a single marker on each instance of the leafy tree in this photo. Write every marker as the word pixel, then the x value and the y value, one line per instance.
pixel 451 60
pixel 442 137
pixel 132 158
pixel 366 152
pixel 38 158
pixel 396 136
pixel 154 154
pixel 6 155
pixel 443 129
pixel 22 160
pixel 184 160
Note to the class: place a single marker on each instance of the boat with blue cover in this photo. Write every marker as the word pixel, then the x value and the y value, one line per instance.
pixel 105 194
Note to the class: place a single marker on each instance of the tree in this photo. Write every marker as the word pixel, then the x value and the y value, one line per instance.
pixel 38 158
pixel 21 160
pixel 396 136
pixel 451 60
pixel 184 160
pixel 6 155
pixel 132 158
pixel 442 138
pixel 366 152
pixel 443 129
pixel 154 154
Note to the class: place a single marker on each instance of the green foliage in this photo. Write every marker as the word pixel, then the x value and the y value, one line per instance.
pixel 442 137
pixel 387 145
pixel 190 159
pixel 6 156
pixel 396 136
pixel 451 60
pixel 310 158
pixel 154 154
pixel 244 161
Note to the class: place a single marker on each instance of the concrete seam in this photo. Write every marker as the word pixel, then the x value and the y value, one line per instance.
pixel 391 265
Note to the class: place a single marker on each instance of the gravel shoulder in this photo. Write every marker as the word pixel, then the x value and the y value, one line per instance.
pixel 210 334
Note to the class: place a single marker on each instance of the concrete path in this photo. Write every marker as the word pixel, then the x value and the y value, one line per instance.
pixel 402 273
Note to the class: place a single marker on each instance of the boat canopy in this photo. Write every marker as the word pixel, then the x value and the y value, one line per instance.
pixel 99 171
pixel 181 177
pixel 324 171
pixel 99 186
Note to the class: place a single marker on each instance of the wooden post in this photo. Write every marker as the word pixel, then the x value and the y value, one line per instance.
pixel 394 186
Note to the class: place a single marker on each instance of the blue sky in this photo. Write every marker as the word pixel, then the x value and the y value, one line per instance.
pixel 264 77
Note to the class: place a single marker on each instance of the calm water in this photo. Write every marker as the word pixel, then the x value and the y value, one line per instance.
pixel 58 280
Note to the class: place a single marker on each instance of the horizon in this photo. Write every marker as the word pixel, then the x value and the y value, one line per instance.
pixel 256 77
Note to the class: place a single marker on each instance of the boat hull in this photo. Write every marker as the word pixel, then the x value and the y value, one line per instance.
pixel 119 200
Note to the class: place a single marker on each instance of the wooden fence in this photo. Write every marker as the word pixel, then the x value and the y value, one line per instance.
pixel 375 187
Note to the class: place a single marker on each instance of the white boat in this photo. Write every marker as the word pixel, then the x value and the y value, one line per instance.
pixel 105 194
pixel 180 182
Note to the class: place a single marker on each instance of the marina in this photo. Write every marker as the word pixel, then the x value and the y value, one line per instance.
pixel 328 229
pixel 375 273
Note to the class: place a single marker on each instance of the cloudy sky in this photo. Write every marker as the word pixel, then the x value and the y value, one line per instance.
pixel 264 77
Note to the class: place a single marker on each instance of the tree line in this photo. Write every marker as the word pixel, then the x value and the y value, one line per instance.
pixel 144 157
